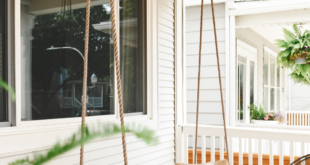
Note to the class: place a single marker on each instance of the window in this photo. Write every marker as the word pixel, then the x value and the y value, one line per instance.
pixel 4 114
pixel 52 46
pixel 272 83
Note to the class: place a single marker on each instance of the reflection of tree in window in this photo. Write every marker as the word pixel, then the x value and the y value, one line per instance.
pixel 52 71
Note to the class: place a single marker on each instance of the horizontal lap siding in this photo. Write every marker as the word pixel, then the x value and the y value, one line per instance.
pixel 109 151
pixel 210 101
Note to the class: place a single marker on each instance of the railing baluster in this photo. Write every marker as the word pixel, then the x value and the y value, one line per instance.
pixel 303 152
pixel 186 147
pixel 270 153
pixel 231 152
pixel 294 114
pixel 299 115
pixel 240 152
pixel 281 152
pixel 212 148
pixel 250 152
pixel 221 148
pixel 289 118
pixel 193 141
pixel 291 151
pixel 260 161
pixel 203 149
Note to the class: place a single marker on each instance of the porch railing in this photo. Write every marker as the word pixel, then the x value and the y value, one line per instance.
pixel 298 118
pixel 246 140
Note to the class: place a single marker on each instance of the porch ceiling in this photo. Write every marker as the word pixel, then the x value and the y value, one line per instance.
pixel 271 33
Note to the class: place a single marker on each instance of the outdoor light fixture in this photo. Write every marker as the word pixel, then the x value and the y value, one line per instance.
pixel 94 79
pixel 66 47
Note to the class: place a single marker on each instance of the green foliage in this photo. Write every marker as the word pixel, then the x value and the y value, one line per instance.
pixel 257 113
pixel 5 86
pixel 289 36
pixel 76 140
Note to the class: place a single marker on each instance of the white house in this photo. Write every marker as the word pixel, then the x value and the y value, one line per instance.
pixel 158 41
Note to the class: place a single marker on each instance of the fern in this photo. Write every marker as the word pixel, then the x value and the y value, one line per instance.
pixel 76 140
pixel 296 30
pixel 289 36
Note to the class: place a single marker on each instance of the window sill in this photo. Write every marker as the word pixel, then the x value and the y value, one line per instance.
pixel 38 126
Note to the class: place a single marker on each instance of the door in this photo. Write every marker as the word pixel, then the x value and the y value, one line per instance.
pixel 246 80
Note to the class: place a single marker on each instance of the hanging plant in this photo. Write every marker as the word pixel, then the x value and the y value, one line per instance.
pixel 296 48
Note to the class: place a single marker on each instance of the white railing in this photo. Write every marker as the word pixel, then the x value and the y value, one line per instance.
pixel 298 118
pixel 246 140
pixel 281 127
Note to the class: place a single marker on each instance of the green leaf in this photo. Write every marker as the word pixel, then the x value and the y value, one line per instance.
pixel 296 30
pixel 76 140
pixel 281 43
pixel 5 86
pixel 306 32
pixel 297 46
pixel 289 36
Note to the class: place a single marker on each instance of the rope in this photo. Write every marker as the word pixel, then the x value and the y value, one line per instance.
pixel 220 81
pixel 85 79
pixel 198 88
pixel 118 75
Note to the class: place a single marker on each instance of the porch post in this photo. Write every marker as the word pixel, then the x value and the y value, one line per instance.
pixel 232 72
pixel 179 79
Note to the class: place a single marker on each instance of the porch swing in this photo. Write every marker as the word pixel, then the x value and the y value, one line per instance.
pixel 119 89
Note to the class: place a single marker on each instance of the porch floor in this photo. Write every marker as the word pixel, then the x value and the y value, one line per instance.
pixel 245 158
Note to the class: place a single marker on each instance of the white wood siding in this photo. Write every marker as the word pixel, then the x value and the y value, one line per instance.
pixel 109 151
pixel 210 101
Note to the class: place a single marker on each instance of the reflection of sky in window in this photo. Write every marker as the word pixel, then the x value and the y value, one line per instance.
pixel 107 7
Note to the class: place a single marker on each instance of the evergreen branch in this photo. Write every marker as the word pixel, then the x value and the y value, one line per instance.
pixel 76 140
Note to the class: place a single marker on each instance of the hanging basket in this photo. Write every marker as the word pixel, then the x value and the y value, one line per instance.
pixel 301 60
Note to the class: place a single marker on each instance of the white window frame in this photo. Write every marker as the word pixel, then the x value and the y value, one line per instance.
pixel 150 119
pixel 274 55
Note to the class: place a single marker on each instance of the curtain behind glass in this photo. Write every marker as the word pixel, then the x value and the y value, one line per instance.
pixel 132 55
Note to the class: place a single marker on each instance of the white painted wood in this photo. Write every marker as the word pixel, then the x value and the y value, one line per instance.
pixel 186 147
pixel 281 161
pixel 231 151
pixel 203 149
pixel 271 159
pixel 212 148
pixel 221 147
pixel 291 151
pixel 260 158
pixel 240 151
pixel 193 142
pixel 232 43
pixel 250 157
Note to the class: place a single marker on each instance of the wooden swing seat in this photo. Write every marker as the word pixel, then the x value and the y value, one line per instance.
pixel 222 162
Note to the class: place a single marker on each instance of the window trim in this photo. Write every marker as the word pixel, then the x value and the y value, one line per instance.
pixel 150 119
pixel 273 54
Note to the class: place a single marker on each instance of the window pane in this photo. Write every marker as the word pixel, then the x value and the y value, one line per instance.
pixel 266 65
pixel 272 99
pixel 132 55
pixel 266 97
pixel 272 71
pixel 241 59
pixel 278 100
pixel 241 90
pixel 3 93
pixel 251 82
pixel 52 78
pixel 278 77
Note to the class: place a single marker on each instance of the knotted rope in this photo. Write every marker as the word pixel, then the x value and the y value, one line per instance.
pixel 119 82
pixel 85 78
pixel 220 81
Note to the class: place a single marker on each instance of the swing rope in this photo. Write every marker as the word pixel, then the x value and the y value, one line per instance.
pixel 85 79
pixel 119 82
pixel 220 81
